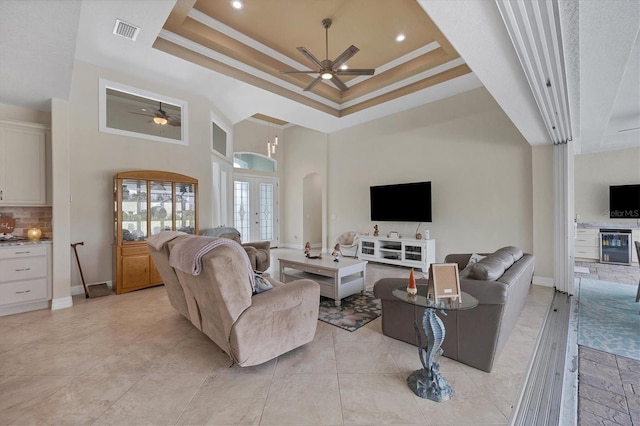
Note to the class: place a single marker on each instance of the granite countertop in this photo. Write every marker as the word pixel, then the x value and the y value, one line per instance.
pixel 23 242
pixel 610 225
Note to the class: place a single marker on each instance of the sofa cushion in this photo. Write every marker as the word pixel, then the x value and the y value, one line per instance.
pixel 489 269
pixel 475 257
pixel 515 252
pixel 505 257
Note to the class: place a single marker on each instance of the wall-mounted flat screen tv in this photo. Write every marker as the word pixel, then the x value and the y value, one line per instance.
pixel 405 202
pixel 624 201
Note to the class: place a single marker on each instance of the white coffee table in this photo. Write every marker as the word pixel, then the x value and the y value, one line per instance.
pixel 337 279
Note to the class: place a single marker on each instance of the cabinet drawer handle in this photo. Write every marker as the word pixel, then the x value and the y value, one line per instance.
pixel 23 291
pixel 23 269
pixel 22 252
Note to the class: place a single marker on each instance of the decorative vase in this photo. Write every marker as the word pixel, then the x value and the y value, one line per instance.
pixel 412 290
pixel 34 234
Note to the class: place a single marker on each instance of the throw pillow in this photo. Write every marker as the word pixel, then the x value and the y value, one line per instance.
pixel 261 284
pixel 475 257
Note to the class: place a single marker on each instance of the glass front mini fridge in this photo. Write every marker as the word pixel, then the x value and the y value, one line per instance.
pixel 615 246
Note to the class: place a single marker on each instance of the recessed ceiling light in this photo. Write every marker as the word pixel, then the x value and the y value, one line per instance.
pixel 344 66
pixel 237 4
pixel 400 37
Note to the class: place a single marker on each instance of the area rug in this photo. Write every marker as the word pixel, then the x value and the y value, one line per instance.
pixel 609 317
pixel 354 312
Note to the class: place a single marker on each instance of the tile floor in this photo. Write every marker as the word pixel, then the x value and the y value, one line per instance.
pixel 608 385
pixel 132 359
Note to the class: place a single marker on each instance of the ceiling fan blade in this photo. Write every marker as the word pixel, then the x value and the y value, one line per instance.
pixel 338 83
pixel 356 71
pixel 174 123
pixel 298 72
pixel 310 57
pixel 345 56
pixel 313 83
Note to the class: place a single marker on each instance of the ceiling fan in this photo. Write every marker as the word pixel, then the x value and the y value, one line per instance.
pixel 162 118
pixel 330 70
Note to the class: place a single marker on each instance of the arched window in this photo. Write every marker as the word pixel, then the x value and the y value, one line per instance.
pixel 253 161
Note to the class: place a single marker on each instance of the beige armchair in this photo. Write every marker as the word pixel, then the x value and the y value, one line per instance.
pixel 250 328
pixel 259 252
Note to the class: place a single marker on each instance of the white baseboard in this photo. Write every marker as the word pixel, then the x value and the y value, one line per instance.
pixel 23 307
pixel 293 246
pixel 79 289
pixel 544 281
pixel 61 303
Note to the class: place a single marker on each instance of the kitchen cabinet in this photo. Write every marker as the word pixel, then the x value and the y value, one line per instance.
pixel 23 163
pixel 147 202
pixel 25 277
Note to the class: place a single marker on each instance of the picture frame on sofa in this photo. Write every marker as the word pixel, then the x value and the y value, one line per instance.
pixel 444 282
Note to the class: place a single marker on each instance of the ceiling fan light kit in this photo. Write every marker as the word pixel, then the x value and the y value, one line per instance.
pixel 161 118
pixel 331 70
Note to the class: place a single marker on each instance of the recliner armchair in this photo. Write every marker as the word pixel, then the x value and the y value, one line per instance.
pixel 258 252
pixel 250 328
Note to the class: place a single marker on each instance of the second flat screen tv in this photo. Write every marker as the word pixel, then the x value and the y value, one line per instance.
pixel 624 202
pixel 404 202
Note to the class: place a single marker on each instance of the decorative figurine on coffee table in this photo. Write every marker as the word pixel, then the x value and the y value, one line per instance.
pixel 336 253
pixel 412 290
pixel 307 252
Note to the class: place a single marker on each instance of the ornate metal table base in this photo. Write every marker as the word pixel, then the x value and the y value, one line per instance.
pixel 428 382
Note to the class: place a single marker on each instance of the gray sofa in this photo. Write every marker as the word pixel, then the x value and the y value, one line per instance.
pixel 500 282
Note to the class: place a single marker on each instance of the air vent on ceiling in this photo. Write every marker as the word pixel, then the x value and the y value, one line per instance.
pixel 126 30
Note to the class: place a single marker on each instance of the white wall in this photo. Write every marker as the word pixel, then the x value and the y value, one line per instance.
pixel 96 157
pixel 16 113
pixel 479 165
pixel 593 175
pixel 305 152
pixel 312 210
pixel 543 217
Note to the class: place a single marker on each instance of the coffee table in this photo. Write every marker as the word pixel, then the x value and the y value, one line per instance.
pixel 337 279
pixel 427 382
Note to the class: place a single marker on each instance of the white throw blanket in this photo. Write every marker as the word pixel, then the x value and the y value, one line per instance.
pixel 187 254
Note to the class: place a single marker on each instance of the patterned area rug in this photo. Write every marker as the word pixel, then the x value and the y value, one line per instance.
pixel 609 317
pixel 354 312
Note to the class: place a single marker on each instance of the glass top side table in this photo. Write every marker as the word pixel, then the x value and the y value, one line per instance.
pixel 427 382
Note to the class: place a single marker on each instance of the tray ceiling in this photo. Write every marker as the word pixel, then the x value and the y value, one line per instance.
pixel 256 43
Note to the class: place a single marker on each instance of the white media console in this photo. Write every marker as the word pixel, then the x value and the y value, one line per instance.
pixel 398 251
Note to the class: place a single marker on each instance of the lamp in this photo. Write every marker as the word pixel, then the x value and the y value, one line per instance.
pixel 271 146
pixel 160 120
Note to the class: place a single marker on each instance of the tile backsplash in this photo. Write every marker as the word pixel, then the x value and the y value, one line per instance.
pixel 30 217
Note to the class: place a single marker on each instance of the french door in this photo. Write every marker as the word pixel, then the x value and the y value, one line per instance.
pixel 255 208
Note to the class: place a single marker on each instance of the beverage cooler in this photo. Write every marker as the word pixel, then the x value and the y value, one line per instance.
pixel 615 246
